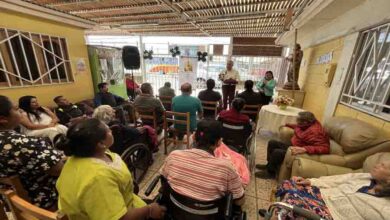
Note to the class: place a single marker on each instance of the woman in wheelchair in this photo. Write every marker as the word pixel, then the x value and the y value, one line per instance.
pixel 346 196
pixel 235 116
pixel 197 174
pixel 125 134
pixel 95 184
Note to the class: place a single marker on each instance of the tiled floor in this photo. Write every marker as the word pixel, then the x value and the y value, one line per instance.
pixel 258 192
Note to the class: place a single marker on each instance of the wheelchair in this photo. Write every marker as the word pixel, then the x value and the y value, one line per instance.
pixel 285 208
pixel 137 156
pixel 240 138
pixel 180 207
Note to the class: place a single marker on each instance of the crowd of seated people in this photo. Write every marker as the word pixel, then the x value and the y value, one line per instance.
pixel 129 135
pixel 205 172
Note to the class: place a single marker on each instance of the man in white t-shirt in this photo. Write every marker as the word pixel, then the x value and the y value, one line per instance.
pixel 230 78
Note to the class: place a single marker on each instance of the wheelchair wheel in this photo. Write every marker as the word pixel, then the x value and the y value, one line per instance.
pixel 251 152
pixel 138 158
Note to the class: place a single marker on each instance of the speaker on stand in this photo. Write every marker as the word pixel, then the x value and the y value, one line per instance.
pixel 132 61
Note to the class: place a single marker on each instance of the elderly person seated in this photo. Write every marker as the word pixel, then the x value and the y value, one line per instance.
pixel 186 103
pixel 95 183
pixel 146 100
pixel 34 161
pixel 106 114
pixel 39 121
pixel 346 196
pixel 309 137
pixel 166 90
pixel 209 95
pixel 196 173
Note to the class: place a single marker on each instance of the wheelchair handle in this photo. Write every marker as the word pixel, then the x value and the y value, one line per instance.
pixel 229 206
pixel 152 185
pixel 306 213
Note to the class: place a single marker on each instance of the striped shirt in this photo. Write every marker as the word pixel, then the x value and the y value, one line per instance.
pixel 199 175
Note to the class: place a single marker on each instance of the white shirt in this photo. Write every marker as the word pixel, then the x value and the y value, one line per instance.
pixel 232 74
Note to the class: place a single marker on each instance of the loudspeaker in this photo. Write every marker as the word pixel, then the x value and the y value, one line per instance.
pixel 130 57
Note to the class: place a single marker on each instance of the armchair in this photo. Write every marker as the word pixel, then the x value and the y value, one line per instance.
pixel 351 142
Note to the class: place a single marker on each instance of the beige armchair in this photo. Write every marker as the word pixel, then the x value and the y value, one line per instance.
pixel 351 142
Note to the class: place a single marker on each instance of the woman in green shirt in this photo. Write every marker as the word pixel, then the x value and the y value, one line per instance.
pixel 266 87
pixel 95 183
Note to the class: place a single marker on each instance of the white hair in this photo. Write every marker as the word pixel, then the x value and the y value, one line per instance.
pixel 104 113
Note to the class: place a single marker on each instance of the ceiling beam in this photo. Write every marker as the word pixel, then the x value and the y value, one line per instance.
pixel 237 6
pixel 116 8
pixel 64 3
pixel 143 15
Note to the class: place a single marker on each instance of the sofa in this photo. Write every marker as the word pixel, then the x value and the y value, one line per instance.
pixel 351 142
pixel 313 169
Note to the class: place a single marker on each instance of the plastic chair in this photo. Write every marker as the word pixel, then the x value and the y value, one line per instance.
pixel 23 210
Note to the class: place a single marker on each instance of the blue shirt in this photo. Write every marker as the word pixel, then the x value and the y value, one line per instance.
pixel 187 103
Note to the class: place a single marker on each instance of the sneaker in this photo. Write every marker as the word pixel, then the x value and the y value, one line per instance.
pixel 261 166
pixel 264 175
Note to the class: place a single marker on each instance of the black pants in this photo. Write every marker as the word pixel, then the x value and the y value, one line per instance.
pixel 265 100
pixel 276 151
pixel 228 93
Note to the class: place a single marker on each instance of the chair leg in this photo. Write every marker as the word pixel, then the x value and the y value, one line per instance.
pixel 165 142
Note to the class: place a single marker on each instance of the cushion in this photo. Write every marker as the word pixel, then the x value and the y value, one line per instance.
pixel 372 160
pixel 352 134
pixel 336 148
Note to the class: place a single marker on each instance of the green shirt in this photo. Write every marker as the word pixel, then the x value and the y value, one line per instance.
pixel 267 88
pixel 91 189
pixel 187 103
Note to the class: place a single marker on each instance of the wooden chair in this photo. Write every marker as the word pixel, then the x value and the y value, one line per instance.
pixel 3 215
pixel 211 106
pixel 16 185
pixel 166 101
pixel 176 118
pixel 146 114
pixel 23 210
pixel 252 111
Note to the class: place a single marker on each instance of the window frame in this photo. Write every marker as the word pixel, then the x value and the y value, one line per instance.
pixel 349 97
pixel 13 76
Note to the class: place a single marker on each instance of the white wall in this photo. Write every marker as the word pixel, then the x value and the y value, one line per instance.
pixel 339 18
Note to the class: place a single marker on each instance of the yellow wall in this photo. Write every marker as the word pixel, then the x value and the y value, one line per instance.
pixel 81 88
pixel 346 111
pixel 312 76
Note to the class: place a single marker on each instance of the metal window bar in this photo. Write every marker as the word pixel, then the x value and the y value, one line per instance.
pixel 25 58
pixel 35 56
pixel 44 55
pixel 5 70
pixel 63 59
pixel 55 60
pixel 68 60
pixel 13 57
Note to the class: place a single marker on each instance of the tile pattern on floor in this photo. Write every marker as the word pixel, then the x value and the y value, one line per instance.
pixel 257 194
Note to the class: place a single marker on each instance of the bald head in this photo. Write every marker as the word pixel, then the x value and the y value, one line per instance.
pixel 186 88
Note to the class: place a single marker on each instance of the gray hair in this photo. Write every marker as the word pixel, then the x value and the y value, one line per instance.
pixel 306 117
pixel 146 88
pixel 104 113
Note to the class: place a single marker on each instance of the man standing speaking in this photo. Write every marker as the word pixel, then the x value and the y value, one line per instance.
pixel 230 78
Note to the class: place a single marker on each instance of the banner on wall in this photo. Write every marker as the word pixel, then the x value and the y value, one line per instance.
pixel 187 70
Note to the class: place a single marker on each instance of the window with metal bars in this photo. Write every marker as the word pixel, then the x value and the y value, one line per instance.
pixel 31 59
pixel 367 86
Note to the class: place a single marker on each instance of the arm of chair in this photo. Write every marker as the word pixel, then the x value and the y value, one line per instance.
pixel 313 169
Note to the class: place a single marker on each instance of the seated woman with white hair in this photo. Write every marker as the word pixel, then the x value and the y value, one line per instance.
pixel 145 135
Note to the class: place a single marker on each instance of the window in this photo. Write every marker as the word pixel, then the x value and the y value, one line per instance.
pixel 28 59
pixel 367 85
